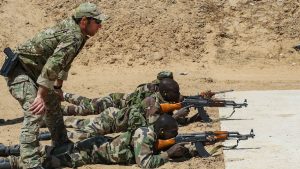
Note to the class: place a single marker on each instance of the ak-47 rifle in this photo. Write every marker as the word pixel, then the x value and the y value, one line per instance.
pixel 199 103
pixel 202 139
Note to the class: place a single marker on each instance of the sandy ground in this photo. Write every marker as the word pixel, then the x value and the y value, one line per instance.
pixel 219 45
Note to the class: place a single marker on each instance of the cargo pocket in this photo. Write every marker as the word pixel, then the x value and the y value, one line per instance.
pixel 27 139
pixel 18 87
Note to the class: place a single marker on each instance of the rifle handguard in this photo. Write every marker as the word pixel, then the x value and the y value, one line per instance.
pixel 221 137
pixel 166 107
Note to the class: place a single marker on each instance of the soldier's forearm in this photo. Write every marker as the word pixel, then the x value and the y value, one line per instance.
pixel 42 92
pixel 153 161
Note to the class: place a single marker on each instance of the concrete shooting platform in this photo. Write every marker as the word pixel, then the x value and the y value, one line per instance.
pixel 274 116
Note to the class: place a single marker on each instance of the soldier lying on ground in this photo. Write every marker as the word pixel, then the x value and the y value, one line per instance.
pixel 83 106
pixel 131 147
pixel 113 120
pixel 86 106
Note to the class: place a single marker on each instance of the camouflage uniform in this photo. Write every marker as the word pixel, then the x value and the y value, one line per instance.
pixel 43 59
pixel 86 106
pixel 127 148
pixel 113 120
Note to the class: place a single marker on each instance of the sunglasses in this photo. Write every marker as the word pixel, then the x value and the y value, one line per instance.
pixel 97 21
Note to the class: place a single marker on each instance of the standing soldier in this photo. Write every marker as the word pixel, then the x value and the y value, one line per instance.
pixel 36 80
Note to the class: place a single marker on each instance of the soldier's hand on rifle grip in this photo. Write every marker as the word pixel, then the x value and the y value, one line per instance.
pixel 183 112
pixel 177 150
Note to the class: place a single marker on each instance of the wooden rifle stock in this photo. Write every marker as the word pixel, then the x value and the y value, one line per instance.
pixel 167 107
pixel 162 144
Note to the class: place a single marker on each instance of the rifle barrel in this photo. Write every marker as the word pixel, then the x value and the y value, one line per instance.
pixel 223 91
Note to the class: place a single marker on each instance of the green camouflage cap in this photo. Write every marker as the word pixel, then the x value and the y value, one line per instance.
pixel 164 74
pixel 88 9
pixel 161 75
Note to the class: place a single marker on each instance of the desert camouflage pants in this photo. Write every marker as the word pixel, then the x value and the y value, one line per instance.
pixel 24 89
pixel 85 106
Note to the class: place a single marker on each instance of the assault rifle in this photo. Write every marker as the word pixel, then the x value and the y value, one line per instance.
pixel 199 139
pixel 202 139
pixel 199 103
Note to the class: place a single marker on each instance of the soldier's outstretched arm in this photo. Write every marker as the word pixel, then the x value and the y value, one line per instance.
pixel 85 106
pixel 82 106
pixel 76 99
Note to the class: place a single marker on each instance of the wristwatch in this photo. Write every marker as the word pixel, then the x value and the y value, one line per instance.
pixel 57 87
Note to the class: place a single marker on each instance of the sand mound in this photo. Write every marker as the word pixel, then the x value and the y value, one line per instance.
pixel 162 31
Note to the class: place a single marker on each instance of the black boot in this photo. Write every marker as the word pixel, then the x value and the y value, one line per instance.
pixel 4 163
pixel 9 150
pixel 3 150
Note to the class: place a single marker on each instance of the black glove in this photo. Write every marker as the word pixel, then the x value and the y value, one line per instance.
pixel 177 150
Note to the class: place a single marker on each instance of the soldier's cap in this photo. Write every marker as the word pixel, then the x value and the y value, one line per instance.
pixel 164 74
pixel 88 9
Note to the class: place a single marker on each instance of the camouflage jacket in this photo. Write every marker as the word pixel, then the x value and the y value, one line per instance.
pixel 141 92
pixel 127 148
pixel 151 109
pixel 146 156
pixel 48 56
pixel 140 114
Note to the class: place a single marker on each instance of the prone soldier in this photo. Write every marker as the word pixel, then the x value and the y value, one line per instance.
pixel 138 146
